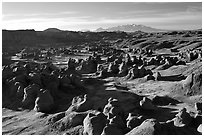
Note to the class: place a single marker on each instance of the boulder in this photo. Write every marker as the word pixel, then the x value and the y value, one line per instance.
pixel 180 62
pixel 111 129
pixel 70 120
pixel 188 83
pixel 148 127
pixel 88 66
pixel 44 102
pixel 146 104
pixel 78 130
pixel 196 88
pixel 199 129
pixel 118 121
pixel 150 77
pixel 94 124
pixel 182 118
pixel 196 121
pixel 148 72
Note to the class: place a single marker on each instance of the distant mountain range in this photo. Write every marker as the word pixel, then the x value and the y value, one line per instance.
pixel 125 28
pixel 52 30
pixel 131 28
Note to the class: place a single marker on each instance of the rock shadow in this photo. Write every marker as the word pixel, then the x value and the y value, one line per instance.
pixel 178 77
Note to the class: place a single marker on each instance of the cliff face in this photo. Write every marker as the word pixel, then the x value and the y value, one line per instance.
pixel 19 38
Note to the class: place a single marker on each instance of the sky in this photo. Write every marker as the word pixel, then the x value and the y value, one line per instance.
pixel 90 16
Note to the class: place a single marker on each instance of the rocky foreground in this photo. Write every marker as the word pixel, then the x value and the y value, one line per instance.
pixel 116 90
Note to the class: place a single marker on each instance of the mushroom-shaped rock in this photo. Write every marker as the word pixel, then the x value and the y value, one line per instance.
pixel 148 127
pixel 81 103
pixel 94 124
pixel 141 72
pixel 19 71
pixel 20 90
pixel 123 69
pixel 104 73
pixel 133 73
pixel 198 107
pixel 13 86
pixel 182 118
pixel 146 104
pixel 118 121
pixel 44 102
pixel 92 65
pixel 112 108
pixel 113 68
pixel 157 76
pixel 134 121
pixel 71 64
pixel 30 94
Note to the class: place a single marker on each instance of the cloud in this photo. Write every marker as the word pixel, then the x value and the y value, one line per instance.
pixel 194 9
pixel 39 15
pixel 71 19
pixel 42 23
